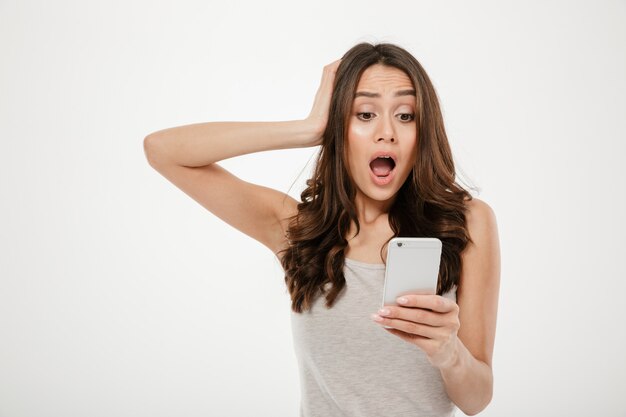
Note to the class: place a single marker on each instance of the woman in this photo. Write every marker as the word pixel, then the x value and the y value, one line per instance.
pixel 385 169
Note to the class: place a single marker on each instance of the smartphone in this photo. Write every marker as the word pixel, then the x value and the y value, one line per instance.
pixel 412 267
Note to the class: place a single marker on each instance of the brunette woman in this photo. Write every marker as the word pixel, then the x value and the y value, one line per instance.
pixel 384 169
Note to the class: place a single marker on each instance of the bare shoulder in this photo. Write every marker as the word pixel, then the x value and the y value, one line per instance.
pixel 480 219
pixel 478 207
pixel 482 227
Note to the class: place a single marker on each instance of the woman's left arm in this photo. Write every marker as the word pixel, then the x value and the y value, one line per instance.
pixel 468 376
pixel 459 337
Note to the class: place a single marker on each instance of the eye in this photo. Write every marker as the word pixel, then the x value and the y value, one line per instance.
pixel 411 117
pixel 365 113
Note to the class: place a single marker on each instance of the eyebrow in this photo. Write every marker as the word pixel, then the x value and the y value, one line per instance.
pixel 398 93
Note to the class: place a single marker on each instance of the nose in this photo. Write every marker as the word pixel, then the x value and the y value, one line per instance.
pixel 386 132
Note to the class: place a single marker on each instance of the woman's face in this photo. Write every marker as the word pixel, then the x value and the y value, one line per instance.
pixel 382 123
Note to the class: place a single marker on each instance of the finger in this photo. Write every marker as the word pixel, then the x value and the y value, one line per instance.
pixel 328 77
pixel 333 65
pixel 413 328
pixel 321 102
pixel 432 302
pixel 418 315
pixel 424 343
pixel 416 339
pixel 327 84
pixel 330 70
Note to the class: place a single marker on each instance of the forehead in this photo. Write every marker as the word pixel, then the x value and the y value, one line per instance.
pixel 382 78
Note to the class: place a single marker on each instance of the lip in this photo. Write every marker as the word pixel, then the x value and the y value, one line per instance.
pixel 383 180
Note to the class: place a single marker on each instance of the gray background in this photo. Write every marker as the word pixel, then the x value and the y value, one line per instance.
pixel 120 295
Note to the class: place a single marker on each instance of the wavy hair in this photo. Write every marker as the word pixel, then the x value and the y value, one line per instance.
pixel 429 203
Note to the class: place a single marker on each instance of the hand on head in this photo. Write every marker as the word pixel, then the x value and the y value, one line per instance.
pixel 319 113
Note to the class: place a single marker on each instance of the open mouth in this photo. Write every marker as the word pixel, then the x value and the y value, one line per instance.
pixel 382 166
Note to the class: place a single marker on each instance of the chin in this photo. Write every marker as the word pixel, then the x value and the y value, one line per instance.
pixel 378 194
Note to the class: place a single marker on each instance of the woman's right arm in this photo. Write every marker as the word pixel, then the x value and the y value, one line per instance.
pixel 187 156
pixel 202 144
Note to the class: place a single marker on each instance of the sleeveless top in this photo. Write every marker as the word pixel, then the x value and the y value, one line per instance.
pixel 351 366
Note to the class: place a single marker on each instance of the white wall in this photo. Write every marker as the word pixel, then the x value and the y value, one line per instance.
pixel 120 295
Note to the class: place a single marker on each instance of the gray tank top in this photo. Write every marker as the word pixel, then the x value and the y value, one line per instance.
pixel 351 366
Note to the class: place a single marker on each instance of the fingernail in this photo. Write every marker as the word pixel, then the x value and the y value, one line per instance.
pixel 377 317
pixel 402 300
pixel 383 311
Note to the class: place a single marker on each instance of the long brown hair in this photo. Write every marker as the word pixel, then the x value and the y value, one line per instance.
pixel 429 203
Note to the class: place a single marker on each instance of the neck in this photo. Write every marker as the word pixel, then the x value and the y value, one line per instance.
pixel 371 211
pixel 373 217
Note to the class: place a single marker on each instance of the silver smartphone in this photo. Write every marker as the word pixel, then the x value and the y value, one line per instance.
pixel 412 267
